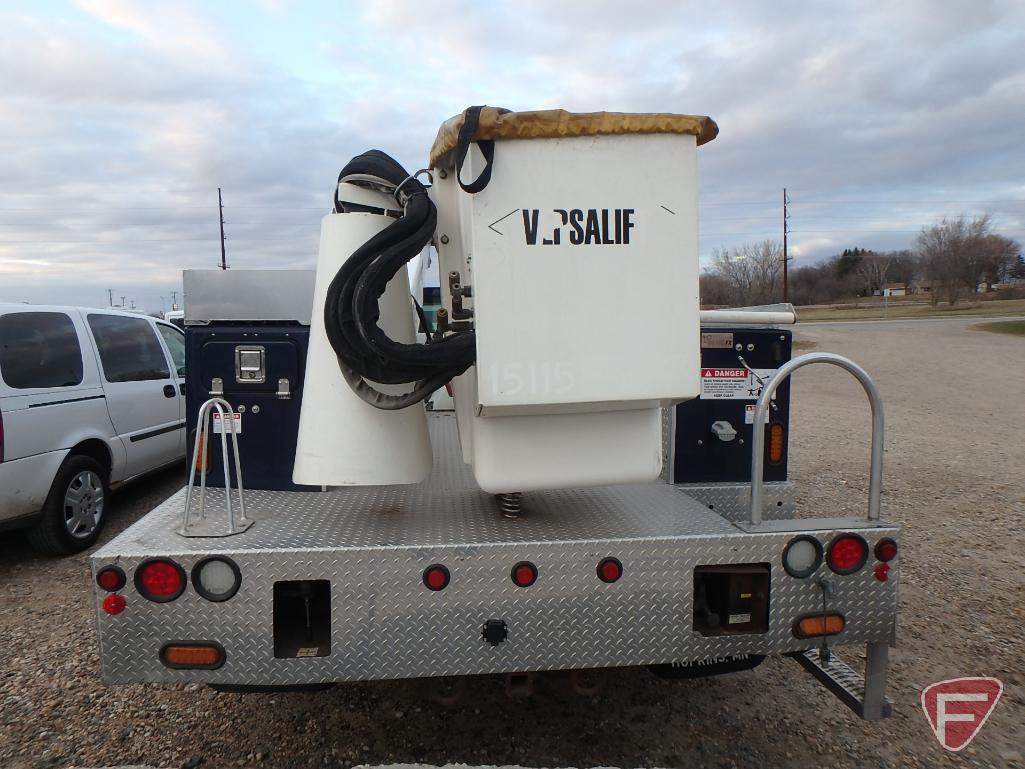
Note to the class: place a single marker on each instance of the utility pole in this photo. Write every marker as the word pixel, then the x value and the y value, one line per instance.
pixel 786 229
pixel 110 297
pixel 220 208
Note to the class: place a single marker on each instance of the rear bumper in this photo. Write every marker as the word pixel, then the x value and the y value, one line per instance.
pixel 373 545
pixel 25 483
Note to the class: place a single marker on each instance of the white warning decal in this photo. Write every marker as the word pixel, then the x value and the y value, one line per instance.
pixel 219 426
pixel 749 414
pixel 733 383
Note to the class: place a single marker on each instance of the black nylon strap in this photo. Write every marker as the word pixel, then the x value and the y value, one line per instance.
pixel 463 142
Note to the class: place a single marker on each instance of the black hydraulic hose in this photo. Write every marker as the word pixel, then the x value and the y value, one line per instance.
pixel 352 310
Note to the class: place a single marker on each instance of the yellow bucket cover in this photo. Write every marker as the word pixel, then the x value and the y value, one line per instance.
pixel 498 123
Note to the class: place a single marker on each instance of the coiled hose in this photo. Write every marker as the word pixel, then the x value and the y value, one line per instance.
pixel 365 353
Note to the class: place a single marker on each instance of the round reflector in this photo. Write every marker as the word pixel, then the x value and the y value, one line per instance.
pixel 886 550
pixel 160 580
pixel 610 570
pixel 524 574
pixel 114 604
pixel 802 556
pixel 436 577
pixel 110 578
pixel 216 578
pixel 882 572
pixel 847 553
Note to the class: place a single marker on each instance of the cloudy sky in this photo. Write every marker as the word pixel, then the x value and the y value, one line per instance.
pixel 119 120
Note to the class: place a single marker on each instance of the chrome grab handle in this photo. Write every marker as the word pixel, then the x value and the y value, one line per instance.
pixel 206 411
pixel 875 484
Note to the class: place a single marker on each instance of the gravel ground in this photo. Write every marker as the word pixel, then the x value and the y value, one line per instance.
pixel 955 479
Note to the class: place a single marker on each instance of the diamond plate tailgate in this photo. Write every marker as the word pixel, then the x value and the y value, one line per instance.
pixel 373 544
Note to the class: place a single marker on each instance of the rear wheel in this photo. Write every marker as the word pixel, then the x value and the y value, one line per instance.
pixel 75 509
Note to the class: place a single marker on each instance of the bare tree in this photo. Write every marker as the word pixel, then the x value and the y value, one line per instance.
pixel 903 267
pixel 823 283
pixel 976 257
pixel 996 259
pixel 873 269
pixel 951 251
pixel 751 272
pixel 715 292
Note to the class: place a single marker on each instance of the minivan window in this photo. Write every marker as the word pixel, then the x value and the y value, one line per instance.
pixel 175 341
pixel 39 349
pixel 129 350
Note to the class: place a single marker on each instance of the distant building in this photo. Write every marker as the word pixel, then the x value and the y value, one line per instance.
pixel 895 289
pixel 1009 283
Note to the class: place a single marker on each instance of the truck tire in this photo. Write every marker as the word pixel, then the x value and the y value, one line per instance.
pixel 75 509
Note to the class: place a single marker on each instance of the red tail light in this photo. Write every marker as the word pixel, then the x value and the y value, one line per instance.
pixel 114 604
pixel 847 553
pixel 610 570
pixel 886 550
pixel 160 580
pixel 110 578
pixel 436 577
pixel 524 574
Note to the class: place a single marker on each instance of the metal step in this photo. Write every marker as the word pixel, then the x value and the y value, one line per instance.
pixel 868 702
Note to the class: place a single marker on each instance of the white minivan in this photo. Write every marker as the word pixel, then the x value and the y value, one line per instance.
pixel 89 399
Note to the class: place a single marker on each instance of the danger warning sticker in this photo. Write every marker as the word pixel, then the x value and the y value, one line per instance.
pixel 733 383
pixel 219 426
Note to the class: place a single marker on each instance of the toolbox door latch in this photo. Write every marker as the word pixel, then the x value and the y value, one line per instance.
pixel 250 364
pixel 284 393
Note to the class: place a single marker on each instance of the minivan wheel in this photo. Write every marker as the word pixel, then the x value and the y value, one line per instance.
pixel 75 509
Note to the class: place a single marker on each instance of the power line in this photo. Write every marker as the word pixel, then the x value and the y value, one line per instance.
pixel 325 209
pixel 870 202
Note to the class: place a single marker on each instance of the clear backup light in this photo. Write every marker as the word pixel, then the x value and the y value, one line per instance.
pixel 802 556
pixel 216 578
